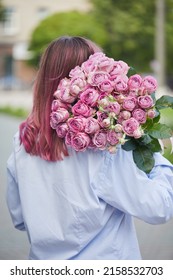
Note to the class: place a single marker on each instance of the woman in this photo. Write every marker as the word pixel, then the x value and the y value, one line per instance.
pixel 79 205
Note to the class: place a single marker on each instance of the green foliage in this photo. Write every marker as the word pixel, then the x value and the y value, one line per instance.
pixel 130 26
pixel 2 11
pixel 143 149
pixel 168 34
pixel 164 102
pixel 124 29
pixel 72 23
pixel 143 157
pixel 16 112
pixel 160 131
pixel 168 154
pixel 167 117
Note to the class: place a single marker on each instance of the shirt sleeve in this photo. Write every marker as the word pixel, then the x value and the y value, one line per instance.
pixel 12 195
pixel 148 197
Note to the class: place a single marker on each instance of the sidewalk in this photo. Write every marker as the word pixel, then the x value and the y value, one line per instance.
pixel 16 99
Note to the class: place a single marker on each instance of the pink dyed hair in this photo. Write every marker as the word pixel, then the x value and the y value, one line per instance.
pixel 62 55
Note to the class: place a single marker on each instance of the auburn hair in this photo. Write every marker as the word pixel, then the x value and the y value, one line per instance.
pixel 61 55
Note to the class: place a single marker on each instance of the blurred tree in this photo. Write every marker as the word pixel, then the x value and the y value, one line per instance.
pixel 125 30
pixel 130 26
pixel 2 11
pixel 169 40
pixel 71 23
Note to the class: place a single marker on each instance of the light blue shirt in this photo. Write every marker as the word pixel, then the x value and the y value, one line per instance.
pixel 83 207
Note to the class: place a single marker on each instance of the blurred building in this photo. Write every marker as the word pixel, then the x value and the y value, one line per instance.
pixel 21 18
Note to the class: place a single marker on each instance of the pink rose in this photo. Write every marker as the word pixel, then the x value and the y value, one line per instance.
pixel 100 139
pixel 68 137
pixel 120 98
pixel 97 56
pixel 56 117
pixel 134 82
pixel 77 123
pixel 101 116
pixel 142 91
pixel 112 137
pixel 120 83
pixel 145 101
pixel 103 102
pixel 106 122
pixel 61 130
pixel 133 92
pixel 118 128
pixel 98 77
pixel 102 95
pixel 89 96
pixel 139 115
pixel 129 103
pixel 101 62
pixel 130 125
pixel 64 83
pixel 77 84
pixel 123 115
pixel 113 107
pixel 106 86
pixel 137 133
pixel 106 64
pixel 151 114
pixel 77 72
pixel 89 66
pixel 150 84
pixel 91 125
pixel 56 104
pixel 82 109
pixel 119 68
pixel 53 121
pixel 80 141
pixel 64 95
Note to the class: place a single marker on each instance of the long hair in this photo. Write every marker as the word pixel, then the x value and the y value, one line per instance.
pixel 62 55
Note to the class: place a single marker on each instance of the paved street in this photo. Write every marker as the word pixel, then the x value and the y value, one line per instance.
pixel 16 99
pixel 156 242
pixel 13 243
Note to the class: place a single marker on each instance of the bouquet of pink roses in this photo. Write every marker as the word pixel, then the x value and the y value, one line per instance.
pixel 101 106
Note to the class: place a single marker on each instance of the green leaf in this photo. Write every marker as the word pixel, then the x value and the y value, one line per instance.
pixel 143 157
pixel 160 131
pixel 145 139
pixel 132 71
pixel 148 124
pixel 157 118
pixel 129 145
pixel 154 146
pixel 165 101
pixel 153 97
